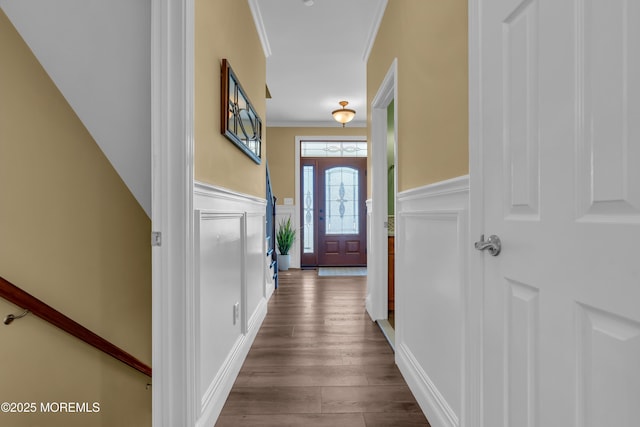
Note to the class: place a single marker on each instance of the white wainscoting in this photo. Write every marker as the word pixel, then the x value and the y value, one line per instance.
pixel 433 344
pixel 229 269
pixel 282 213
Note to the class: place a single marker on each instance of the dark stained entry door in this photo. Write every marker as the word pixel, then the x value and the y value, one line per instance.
pixel 337 204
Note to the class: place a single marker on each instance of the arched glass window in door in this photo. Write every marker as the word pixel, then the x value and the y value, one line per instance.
pixel 341 201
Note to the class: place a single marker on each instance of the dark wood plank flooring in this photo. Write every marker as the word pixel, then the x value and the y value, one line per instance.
pixel 318 360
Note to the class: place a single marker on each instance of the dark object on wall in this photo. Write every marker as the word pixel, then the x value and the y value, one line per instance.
pixel 239 121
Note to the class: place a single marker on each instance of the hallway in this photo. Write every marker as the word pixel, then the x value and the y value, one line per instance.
pixel 318 360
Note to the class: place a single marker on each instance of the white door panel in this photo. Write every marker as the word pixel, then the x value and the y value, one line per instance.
pixel 609 179
pixel 560 172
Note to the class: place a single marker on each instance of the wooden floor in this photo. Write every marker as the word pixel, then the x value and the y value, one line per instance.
pixel 319 360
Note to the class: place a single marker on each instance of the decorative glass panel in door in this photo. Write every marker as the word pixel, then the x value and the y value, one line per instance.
pixel 308 223
pixel 341 200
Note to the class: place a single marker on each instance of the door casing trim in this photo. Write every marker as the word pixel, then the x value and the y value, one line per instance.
pixel 377 300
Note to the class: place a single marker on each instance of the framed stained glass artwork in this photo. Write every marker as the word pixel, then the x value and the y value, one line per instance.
pixel 239 121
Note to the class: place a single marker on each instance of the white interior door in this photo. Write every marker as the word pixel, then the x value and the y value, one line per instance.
pixel 559 173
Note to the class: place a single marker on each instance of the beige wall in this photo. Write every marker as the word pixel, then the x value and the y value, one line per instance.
pixel 225 29
pixel 429 38
pixel 281 154
pixel 72 235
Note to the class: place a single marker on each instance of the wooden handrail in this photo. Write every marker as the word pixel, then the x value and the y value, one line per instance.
pixel 17 296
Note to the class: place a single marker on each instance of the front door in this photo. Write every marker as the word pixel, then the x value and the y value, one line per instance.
pixel 559 173
pixel 334 192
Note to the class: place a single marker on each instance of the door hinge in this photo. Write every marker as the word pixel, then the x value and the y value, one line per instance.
pixel 156 238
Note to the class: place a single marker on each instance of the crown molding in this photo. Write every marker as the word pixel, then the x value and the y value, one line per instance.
pixel 260 28
pixel 373 31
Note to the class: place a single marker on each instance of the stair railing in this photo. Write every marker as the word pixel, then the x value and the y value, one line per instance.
pixel 271 229
pixel 33 305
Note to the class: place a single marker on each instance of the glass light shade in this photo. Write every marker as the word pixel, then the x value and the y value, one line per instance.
pixel 343 115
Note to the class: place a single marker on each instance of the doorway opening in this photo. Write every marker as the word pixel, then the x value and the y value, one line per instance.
pixel 391 209
pixel 332 198
pixel 381 278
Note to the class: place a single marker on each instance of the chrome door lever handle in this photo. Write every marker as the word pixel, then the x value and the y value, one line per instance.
pixel 492 244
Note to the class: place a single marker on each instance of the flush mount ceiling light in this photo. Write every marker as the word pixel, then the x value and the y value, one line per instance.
pixel 343 115
pixel 308 2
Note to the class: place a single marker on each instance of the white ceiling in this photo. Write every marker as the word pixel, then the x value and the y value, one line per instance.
pixel 316 57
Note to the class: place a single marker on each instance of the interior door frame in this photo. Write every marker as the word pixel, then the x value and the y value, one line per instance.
pixel 174 400
pixel 297 250
pixel 376 300
pixel 475 403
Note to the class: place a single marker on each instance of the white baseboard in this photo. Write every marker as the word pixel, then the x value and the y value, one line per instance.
pixel 430 400
pixel 219 390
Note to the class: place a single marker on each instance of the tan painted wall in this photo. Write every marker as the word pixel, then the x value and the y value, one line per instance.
pixel 281 154
pixel 72 235
pixel 429 38
pixel 225 29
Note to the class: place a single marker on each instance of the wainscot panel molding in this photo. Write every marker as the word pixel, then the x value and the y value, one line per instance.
pixel 282 213
pixel 254 268
pixel 437 335
pixel 230 291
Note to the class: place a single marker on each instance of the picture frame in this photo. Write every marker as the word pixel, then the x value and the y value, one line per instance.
pixel 239 121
